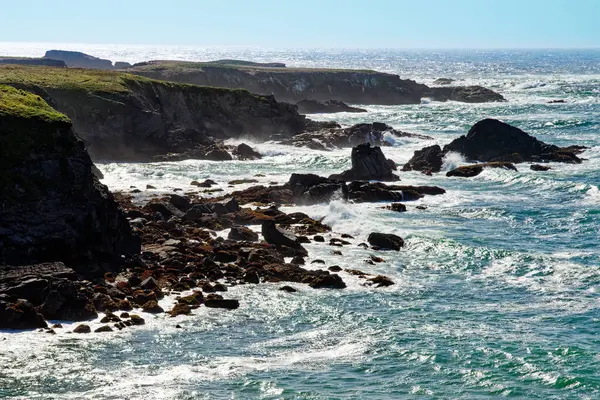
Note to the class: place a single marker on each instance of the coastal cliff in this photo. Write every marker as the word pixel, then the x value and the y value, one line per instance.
pixel 52 207
pixel 125 117
pixel 296 84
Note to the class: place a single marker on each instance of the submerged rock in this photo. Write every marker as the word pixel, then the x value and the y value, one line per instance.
pixel 538 167
pixel 469 171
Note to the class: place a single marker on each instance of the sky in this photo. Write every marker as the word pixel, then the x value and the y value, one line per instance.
pixel 307 23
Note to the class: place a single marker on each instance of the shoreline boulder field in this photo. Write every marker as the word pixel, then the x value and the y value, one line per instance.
pixel 70 249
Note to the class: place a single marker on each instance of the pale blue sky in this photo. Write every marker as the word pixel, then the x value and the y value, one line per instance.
pixel 308 23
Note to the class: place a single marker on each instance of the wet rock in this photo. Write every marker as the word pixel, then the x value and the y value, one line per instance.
pixel 288 289
pixel 180 202
pixel 381 281
pixel 327 281
pixel 150 187
pixel 538 167
pixel 103 302
pixel 180 309
pixel 317 262
pixel 280 237
pixel 335 268
pixel 206 184
pixel 299 260
pixel 492 140
pixel 465 94
pixel 245 152
pixel 83 328
pixel 20 315
pixel 242 233
pixel 67 300
pixel 251 277
pixel 397 207
pixel 359 191
pixel 368 163
pixel 428 158
pixel 149 283
pixel 167 210
pixel 311 189
pixel 137 320
pixel 318 238
pixel 468 171
pixel 385 241
pixel 217 153
pixel 152 307
pixel 222 303
pixel 104 328
pixel 443 81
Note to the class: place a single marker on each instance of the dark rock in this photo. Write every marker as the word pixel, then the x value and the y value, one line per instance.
pixel 242 233
pixel 311 189
pixel 222 303
pixel 104 328
pixel 280 237
pixel 20 315
pixel 137 320
pixel 468 171
pixel 492 140
pixel 372 192
pixel 149 283
pixel 329 106
pixel 560 101
pixel 180 309
pixel 465 94
pixel 381 281
pixel 251 277
pixel 385 241
pixel 538 167
pixel 152 307
pixel 207 183
pixel 167 210
pixel 53 207
pixel 83 328
pixel 299 260
pixel 317 262
pixel 335 268
pixel 245 152
pixel 67 300
pixel 397 207
pixel 318 238
pixel 368 163
pixel 180 202
pixel 288 289
pixel 427 159
pixel 327 281
pixel 336 137
pixel 150 187
pixel 217 153
pixel 76 59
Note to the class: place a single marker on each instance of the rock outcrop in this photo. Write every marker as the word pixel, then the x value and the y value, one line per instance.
pixel 377 134
pixel 368 163
pixel 326 107
pixel 296 84
pixel 129 118
pixel 53 206
pixel 78 60
pixel 493 140
pixel 33 61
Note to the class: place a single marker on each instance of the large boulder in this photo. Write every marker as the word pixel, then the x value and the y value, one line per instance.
pixel 427 159
pixel 493 140
pixel 385 241
pixel 78 59
pixel 245 152
pixel 312 189
pixel 327 107
pixel 20 315
pixel 368 163
pixel 53 206
pixel 280 237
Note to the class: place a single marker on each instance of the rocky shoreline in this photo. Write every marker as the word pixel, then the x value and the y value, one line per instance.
pixel 70 249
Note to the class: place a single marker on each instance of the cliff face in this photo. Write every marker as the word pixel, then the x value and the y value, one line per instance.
pixel 128 118
pixel 52 207
pixel 293 85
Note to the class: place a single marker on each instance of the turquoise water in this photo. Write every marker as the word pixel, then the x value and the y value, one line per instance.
pixel 496 293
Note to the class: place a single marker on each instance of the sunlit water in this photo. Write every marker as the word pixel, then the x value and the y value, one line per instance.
pixel 496 292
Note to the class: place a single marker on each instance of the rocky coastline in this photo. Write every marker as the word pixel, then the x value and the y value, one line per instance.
pixel 70 249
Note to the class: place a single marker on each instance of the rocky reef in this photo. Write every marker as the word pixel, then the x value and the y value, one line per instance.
pixel 125 117
pixel 493 142
pixel 327 107
pixel 297 84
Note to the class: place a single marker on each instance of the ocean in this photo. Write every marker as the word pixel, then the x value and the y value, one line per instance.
pixel 497 289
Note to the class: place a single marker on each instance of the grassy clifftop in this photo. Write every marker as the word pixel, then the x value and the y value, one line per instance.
pixel 22 104
pixel 89 80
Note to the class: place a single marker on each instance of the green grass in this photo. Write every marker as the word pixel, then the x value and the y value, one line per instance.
pixel 67 78
pixel 160 65
pixel 22 104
